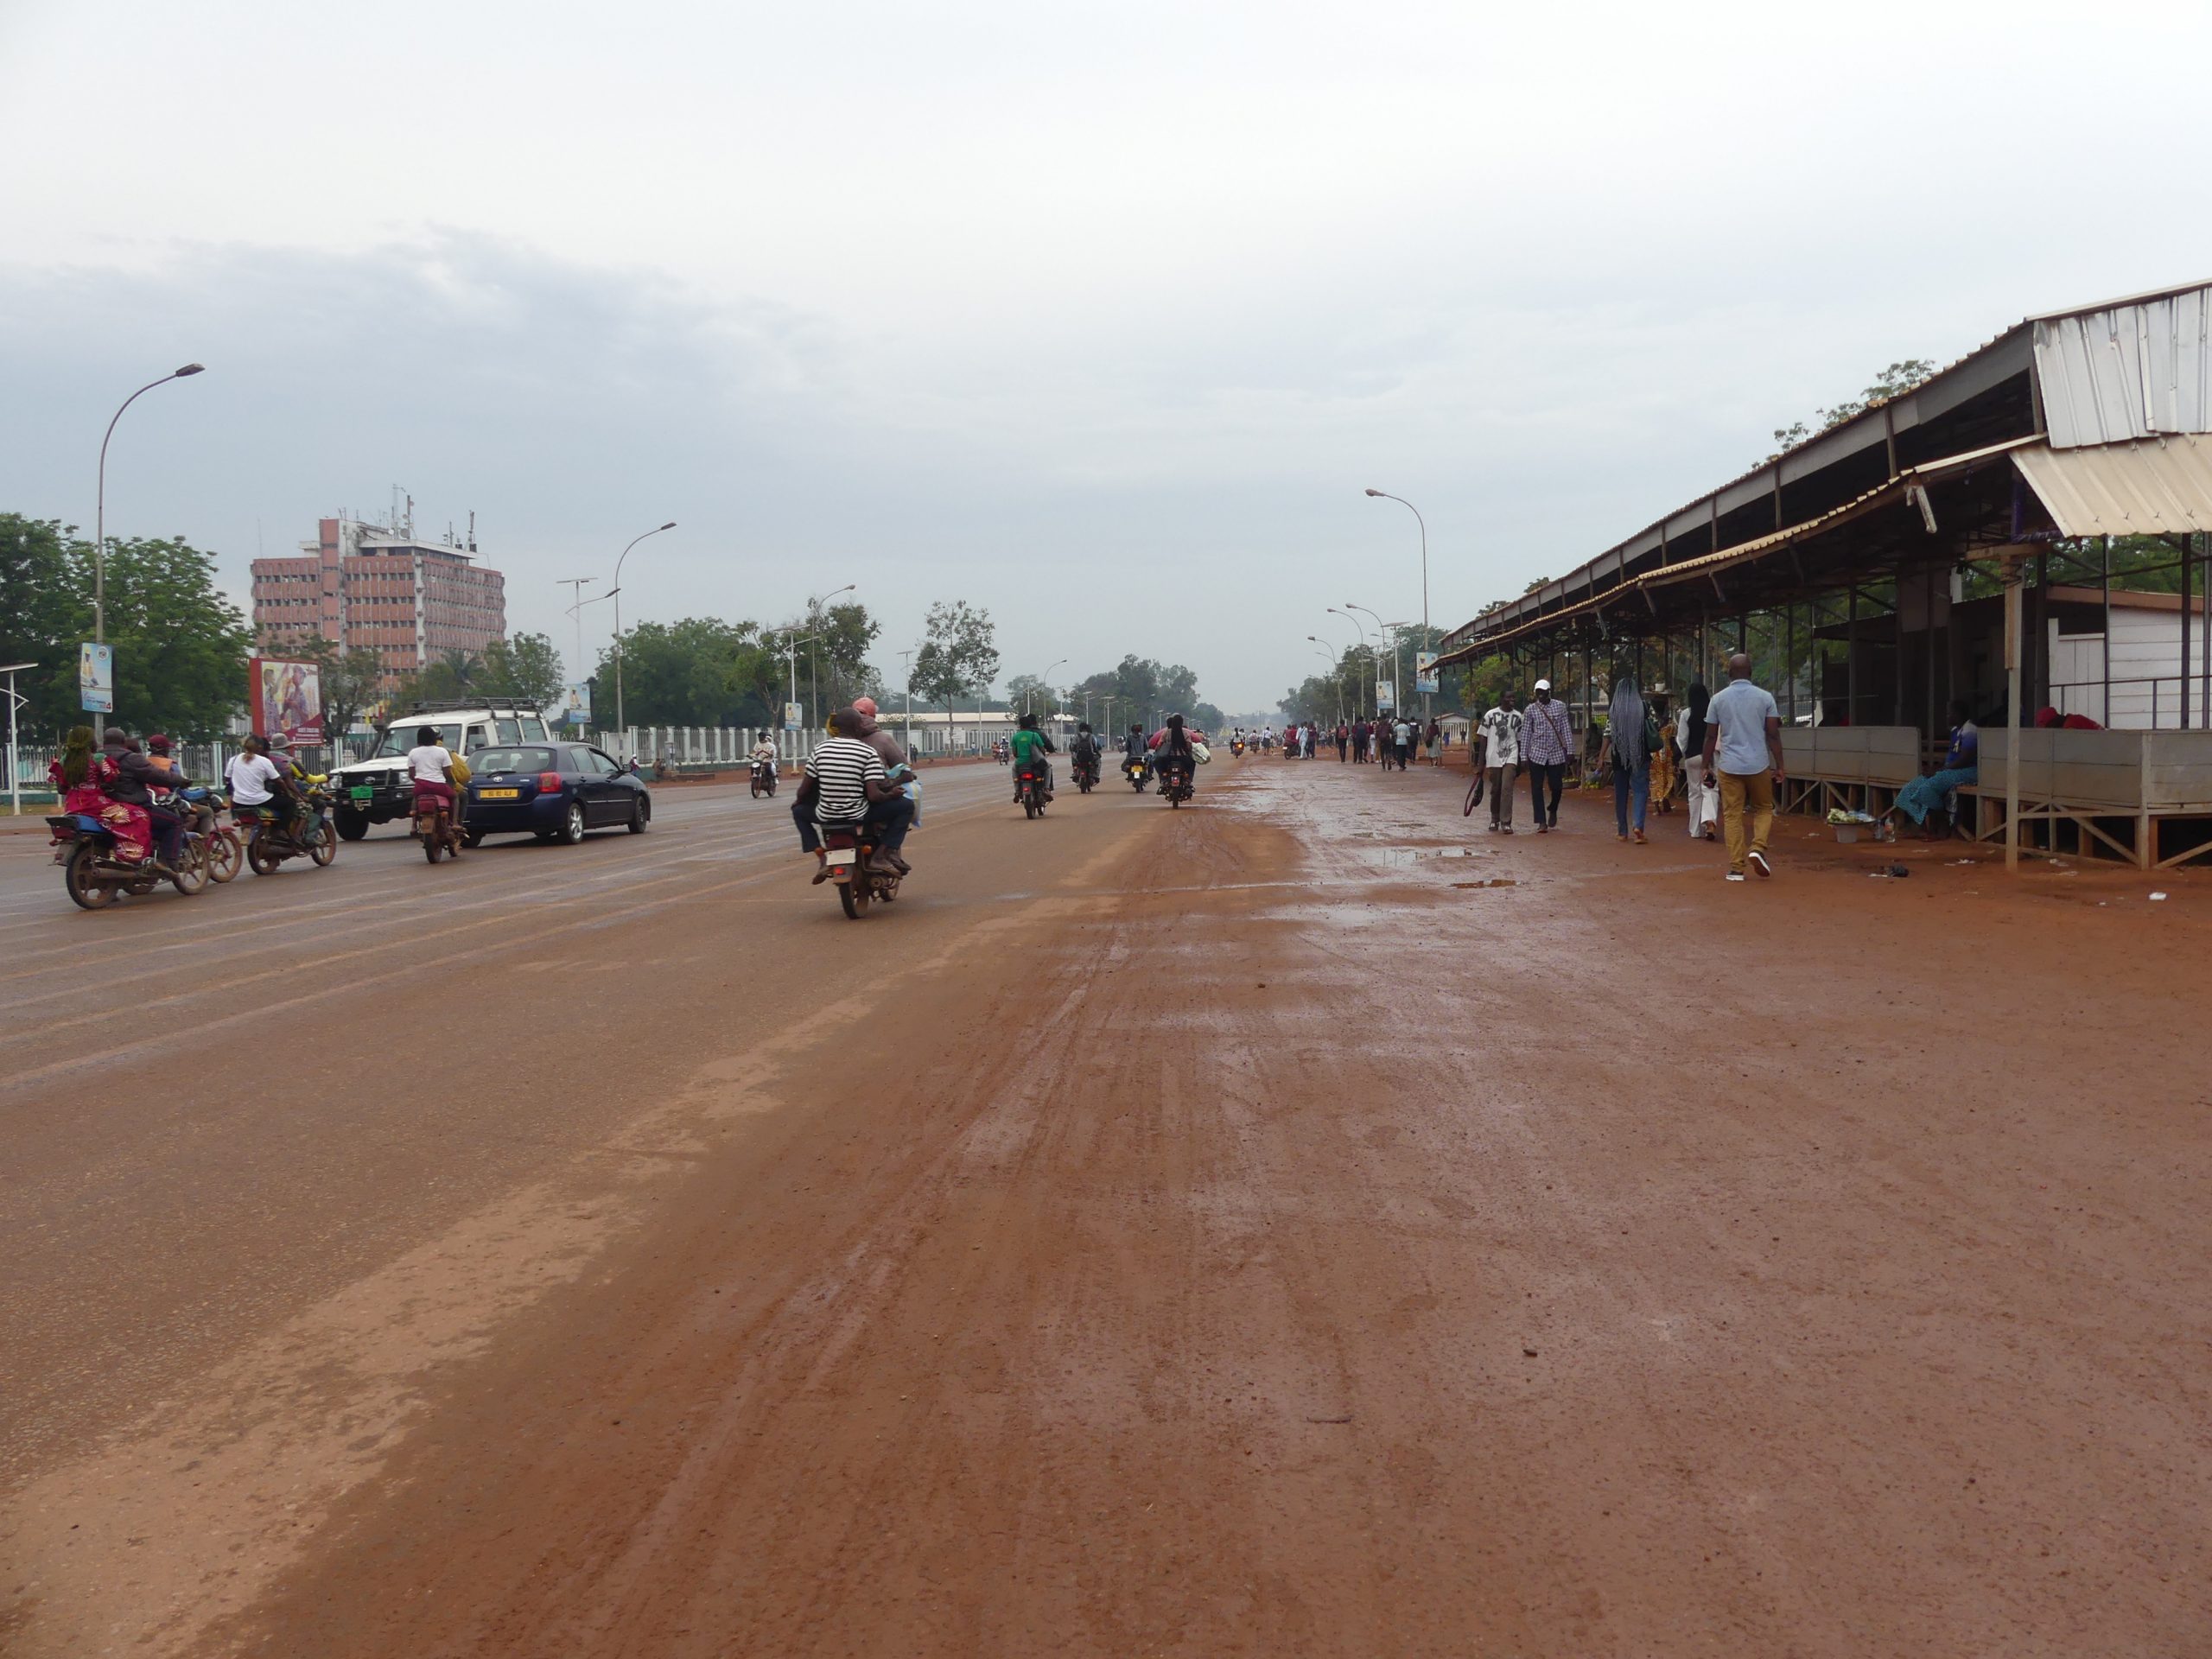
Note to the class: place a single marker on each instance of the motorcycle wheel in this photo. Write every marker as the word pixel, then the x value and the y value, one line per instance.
pixel 258 858
pixel 1029 806
pixel 772 789
pixel 192 875
pixel 225 855
pixel 756 791
pixel 322 846
pixel 88 892
pixel 434 842
pixel 855 895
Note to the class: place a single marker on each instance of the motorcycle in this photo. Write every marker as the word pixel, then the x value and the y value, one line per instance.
pixel 1236 746
pixel 847 852
pixel 1138 771
pixel 1086 773
pixel 1175 783
pixel 96 878
pixel 763 779
pixel 225 851
pixel 437 828
pixel 310 834
pixel 1029 788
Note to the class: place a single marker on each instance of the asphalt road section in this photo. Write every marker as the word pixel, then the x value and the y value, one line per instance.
pixel 1297 1225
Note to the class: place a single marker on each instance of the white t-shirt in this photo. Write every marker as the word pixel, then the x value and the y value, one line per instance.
pixel 1501 730
pixel 251 776
pixel 427 764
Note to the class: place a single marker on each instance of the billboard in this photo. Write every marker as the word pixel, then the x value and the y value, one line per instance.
pixel 575 703
pixel 96 678
pixel 791 716
pixel 1425 681
pixel 285 697
pixel 1386 696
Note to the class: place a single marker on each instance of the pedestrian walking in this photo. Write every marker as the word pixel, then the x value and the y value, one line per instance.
pixel 1498 752
pixel 1702 800
pixel 1628 746
pixel 1743 753
pixel 1344 739
pixel 1401 741
pixel 1547 749
pixel 1433 740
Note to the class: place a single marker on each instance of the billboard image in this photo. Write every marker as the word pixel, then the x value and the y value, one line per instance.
pixel 1425 672
pixel 1386 696
pixel 285 697
pixel 575 703
pixel 96 678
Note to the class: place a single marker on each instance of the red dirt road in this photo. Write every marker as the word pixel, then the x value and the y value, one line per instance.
pixel 1256 1236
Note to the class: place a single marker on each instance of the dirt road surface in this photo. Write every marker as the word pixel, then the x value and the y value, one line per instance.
pixel 1301 1225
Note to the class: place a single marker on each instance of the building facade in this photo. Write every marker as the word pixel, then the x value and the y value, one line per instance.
pixel 358 584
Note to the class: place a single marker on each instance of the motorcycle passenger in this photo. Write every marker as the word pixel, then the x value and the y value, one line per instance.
pixel 433 768
pixel 848 787
pixel 1134 745
pixel 255 782
pixel 1084 750
pixel 1171 748
pixel 133 782
pixel 1028 747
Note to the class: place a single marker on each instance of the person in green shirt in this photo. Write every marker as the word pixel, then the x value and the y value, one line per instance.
pixel 1030 743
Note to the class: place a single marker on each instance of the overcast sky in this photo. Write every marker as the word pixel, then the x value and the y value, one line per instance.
pixel 1100 314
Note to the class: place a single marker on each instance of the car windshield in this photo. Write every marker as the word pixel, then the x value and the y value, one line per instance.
pixel 400 738
pixel 485 761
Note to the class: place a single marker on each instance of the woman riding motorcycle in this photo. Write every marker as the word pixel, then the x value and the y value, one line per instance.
pixel 436 771
pixel 1171 747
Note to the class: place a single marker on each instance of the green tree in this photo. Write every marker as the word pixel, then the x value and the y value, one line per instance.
pixel 1143 689
pixel 698 671
pixel 180 644
pixel 959 655
pixel 527 668
pixel 838 654
pixel 1895 381
pixel 37 623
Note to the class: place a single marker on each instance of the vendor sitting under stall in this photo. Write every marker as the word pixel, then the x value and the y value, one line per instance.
pixel 1923 797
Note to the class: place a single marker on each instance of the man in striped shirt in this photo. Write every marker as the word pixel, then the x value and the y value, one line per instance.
pixel 849 787
pixel 1547 747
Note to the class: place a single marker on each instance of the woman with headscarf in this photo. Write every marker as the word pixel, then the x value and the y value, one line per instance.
pixel 1628 747
pixel 80 777
pixel 1689 741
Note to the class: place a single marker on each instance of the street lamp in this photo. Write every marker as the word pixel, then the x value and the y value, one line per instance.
pixel 614 594
pixel 1045 680
pixel 575 585
pixel 1374 655
pixel 16 701
pixel 100 508
pixel 813 688
pixel 1336 671
pixel 579 609
pixel 1385 495
pixel 1362 626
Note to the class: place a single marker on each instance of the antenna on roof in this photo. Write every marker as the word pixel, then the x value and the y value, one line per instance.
pixel 471 530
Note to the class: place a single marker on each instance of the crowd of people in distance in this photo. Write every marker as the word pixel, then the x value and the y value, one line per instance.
pixel 1388 741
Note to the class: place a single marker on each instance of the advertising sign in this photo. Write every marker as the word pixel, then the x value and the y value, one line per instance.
pixel 96 678
pixel 791 717
pixel 285 697
pixel 575 703
pixel 1425 681
pixel 1386 696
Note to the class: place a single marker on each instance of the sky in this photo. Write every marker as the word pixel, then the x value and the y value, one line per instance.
pixel 1100 315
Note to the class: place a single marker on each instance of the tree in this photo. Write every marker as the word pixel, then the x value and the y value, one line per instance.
pixel 1895 381
pixel 698 671
pixel 1028 691
pixel 526 668
pixel 839 653
pixel 959 655
pixel 179 643
pixel 1148 689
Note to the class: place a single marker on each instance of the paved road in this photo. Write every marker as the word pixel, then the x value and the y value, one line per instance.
pixel 1291 1226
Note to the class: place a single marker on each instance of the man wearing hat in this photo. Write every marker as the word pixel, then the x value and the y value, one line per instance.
pixel 1547 747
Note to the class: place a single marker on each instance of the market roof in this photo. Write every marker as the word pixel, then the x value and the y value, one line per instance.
pixel 2132 375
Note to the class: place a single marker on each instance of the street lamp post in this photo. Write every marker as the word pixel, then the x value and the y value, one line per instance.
pixel 1045 680
pixel 907 668
pixel 99 503
pixel 813 681
pixel 1336 671
pixel 1383 633
pixel 16 701
pixel 615 593
pixel 575 585
pixel 1386 496
pixel 1362 626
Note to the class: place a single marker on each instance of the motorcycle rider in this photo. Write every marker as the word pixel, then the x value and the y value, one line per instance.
pixel 433 766
pixel 1171 747
pixel 847 785
pixel 1084 750
pixel 764 753
pixel 1029 745
pixel 135 778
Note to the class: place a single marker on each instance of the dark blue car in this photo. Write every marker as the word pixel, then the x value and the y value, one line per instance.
pixel 553 790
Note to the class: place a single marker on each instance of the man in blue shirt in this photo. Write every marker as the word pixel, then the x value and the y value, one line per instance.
pixel 1742 735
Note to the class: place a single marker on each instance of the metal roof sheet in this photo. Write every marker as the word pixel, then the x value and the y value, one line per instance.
pixel 2127 370
pixel 2156 486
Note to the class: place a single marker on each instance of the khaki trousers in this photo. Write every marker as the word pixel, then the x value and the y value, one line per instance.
pixel 1742 793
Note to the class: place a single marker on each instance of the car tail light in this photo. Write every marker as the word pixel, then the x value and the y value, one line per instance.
pixel 548 782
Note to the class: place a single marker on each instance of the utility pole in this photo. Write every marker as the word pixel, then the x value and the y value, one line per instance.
pixel 1423 523
pixel 575 585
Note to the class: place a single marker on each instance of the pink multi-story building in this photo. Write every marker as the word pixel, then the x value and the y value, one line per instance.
pixel 362 584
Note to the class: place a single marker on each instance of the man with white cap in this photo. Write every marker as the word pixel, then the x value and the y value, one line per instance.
pixel 1547 747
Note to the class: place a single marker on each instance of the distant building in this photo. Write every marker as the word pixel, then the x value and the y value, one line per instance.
pixel 411 599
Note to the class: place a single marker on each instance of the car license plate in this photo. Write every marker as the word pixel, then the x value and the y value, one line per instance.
pixel 363 791
pixel 498 794
pixel 842 855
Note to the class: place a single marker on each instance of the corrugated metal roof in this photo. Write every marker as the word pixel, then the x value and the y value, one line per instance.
pixel 2127 370
pixel 2157 487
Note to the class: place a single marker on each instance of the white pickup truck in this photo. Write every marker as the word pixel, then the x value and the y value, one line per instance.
pixel 376 789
